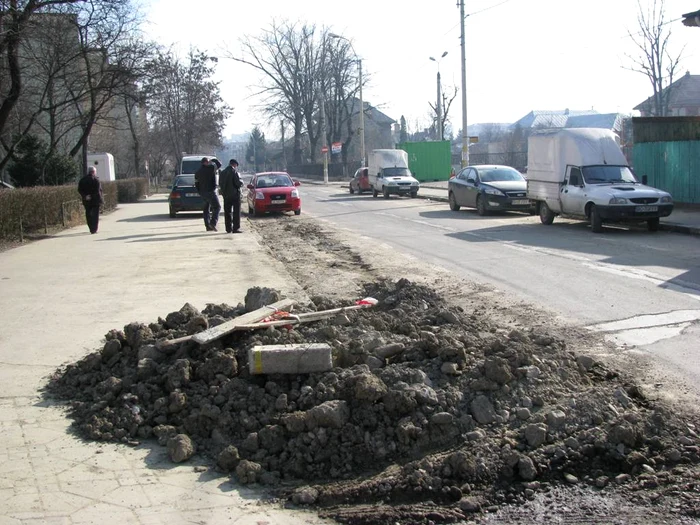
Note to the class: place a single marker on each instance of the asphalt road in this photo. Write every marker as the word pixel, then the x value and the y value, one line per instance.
pixel 642 289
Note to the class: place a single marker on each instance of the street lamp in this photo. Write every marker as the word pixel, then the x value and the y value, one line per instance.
pixel 362 104
pixel 439 96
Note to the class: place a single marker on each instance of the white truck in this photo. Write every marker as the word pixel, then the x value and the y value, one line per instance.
pixel 104 164
pixel 388 173
pixel 582 173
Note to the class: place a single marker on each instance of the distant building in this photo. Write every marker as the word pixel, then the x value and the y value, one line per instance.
pixel 692 19
pixel 683 98
pixel 378 130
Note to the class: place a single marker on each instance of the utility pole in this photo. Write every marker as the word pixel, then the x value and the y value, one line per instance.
pixel 323 137
pixel 284 149
pixel 439 108
pixel 362 116
pixel 465 133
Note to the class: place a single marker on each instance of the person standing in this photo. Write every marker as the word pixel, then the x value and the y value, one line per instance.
pixel 205 180
pixel 230 186
pixel 90 190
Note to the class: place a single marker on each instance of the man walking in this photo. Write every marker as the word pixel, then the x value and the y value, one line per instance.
pixel 205 179
pixel 90 190
pixel 230 186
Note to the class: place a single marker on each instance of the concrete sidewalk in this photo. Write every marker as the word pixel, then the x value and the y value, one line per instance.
pixel 59 297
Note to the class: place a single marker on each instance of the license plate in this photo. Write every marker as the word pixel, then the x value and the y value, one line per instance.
pixel 279 201
pixel 521 202
pixel 643 209
pixel 191 194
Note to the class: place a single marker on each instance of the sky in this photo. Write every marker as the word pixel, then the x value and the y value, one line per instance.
pixel 521 55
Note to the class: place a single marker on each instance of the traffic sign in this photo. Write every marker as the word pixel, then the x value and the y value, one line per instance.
pixel 324 149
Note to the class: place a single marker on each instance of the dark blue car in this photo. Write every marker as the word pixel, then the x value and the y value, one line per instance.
pixel 184 196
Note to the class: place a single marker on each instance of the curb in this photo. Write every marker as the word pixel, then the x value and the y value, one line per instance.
pixel 679 228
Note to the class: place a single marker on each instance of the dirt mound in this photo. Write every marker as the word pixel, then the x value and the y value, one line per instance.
pixel 438 411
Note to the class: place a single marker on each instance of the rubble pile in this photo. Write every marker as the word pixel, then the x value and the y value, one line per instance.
pixel 435 404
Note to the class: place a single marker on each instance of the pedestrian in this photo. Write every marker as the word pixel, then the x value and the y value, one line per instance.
pixel 230 186
pixel 205 180
pixel 90 190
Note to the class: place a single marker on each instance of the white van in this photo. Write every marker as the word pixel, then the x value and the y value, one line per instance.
pixel 388 173
pixel 582 173
pixel 191 163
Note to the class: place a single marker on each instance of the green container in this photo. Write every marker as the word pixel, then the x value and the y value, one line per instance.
pixel 429 161
pixel 670 166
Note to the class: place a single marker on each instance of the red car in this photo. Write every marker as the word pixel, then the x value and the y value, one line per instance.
pixel 360 182
pixel 273 191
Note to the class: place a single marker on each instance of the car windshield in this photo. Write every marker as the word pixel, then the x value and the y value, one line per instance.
pixel 274 181
pixel 184 180
pixel 397 172
pixel 607 174
pixel 499 174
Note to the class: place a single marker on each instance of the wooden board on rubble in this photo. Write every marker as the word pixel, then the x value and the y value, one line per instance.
pixel 219 331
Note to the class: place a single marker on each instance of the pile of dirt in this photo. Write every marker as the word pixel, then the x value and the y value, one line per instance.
pixel 432 412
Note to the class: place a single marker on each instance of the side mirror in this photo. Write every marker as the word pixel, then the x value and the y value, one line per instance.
pixel 297 183
pixel 250 187
pixel 645 179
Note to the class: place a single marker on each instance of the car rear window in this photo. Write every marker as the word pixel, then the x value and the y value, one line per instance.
pixel 187 180
pixel 274 181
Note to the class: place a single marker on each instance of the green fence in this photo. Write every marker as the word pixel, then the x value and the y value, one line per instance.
pixel 429 161
pixel 670 166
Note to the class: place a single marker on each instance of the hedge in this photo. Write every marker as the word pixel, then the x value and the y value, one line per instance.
pixel 26 211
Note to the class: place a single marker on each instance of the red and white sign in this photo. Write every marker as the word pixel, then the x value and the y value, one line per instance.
pixel 336 148
pixel 324 149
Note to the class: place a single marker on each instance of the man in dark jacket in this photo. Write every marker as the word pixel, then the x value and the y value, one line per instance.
pixel 230 186
pixel 205 179
pixel 90 190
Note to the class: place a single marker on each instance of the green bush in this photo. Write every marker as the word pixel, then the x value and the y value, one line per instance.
pixel 131 190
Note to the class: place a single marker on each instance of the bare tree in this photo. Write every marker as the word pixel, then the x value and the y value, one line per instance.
pixel 654 58
pixel 183 99
pixel 447 98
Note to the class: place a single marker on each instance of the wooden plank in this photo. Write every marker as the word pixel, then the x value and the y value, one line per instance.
pixel 303 318
pixel 219 331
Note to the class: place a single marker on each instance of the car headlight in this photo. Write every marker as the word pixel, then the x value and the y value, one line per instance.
pixel 415 183
pixel 295 194
pixel 259 196
pixel 618 200
pixel 494 191
pixel 666 200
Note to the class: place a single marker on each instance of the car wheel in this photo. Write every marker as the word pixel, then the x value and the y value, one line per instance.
pixel 297 212
pixel 596 221
pixel 385 192
pixel 374 192
pixel 453 202
pixel 653 224
pixel 172 213
pixel 546 215
pixel 481 206
pixel 352 190
pixel 414 194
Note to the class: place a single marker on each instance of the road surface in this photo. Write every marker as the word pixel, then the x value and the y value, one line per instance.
pixel 641 289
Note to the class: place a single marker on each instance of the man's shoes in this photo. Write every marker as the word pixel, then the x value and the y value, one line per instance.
pixel 213 228
pixel 228 231
pixel 209 228
pixel 237 231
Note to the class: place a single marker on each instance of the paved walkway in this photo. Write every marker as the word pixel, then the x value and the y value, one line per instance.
pixel 58 298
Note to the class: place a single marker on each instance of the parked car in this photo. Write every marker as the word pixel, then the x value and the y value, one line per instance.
pixel 273 191
pixel 184 196
pixel 489 188
pixel 360 182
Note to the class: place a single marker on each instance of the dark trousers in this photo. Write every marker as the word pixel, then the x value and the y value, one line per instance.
pixel 212 207
pixel 232 213
pixel 92 216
